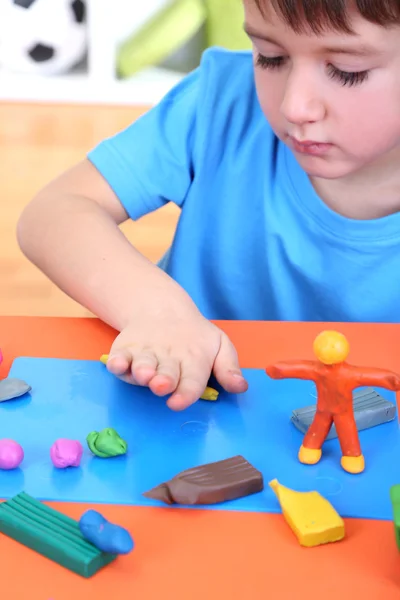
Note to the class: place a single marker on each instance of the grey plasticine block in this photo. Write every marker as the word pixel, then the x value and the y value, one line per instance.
pixel 370 410
pixel 12 388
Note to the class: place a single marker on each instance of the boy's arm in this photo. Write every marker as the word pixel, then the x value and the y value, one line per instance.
pixel 70 232
pixel 370 376
pixel 299 369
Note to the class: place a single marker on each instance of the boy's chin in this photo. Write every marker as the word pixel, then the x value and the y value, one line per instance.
pixel 323 169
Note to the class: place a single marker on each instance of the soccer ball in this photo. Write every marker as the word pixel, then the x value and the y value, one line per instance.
pixel 45 37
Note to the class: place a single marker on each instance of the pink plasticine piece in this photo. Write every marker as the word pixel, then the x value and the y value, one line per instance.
pixel 11 454
pixel 66 453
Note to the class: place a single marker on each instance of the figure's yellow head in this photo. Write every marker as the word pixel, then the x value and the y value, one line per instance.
pixel 331 347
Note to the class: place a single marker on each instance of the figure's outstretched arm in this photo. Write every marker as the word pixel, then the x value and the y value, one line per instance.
pixel 378 377
pixel 299 369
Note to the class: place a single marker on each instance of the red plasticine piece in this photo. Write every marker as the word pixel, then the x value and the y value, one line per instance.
pixel 335 381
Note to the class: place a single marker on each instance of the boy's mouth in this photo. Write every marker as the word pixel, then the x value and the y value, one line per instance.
pixel 311 147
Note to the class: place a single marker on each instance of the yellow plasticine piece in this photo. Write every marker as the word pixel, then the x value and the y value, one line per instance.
pixel 311 517
pixel 210 394
pixel 104 358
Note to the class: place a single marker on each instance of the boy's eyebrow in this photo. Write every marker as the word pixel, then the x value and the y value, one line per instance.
pixel 252 33
pixel 362 50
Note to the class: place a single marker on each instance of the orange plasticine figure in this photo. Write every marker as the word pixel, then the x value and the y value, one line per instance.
pixel 335 381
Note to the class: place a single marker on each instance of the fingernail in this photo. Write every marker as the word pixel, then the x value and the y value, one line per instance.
pixel 238 375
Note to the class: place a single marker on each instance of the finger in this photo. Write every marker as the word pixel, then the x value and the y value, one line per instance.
pixel 144 366
pixel 128 378
pixel 192 383
pixel 119 362
pixel 226 368
pixel 167 376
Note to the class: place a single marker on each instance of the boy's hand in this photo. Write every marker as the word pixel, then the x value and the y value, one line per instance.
pixel 176 356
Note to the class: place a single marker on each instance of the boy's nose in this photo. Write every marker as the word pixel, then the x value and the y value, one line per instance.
pixel 302 103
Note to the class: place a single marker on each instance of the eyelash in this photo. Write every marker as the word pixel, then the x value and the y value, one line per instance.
pixel 344 77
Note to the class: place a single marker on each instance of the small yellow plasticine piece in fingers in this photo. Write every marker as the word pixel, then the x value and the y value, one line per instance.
pixel 210 394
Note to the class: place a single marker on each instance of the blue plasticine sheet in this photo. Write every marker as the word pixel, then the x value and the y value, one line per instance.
pixel 70 398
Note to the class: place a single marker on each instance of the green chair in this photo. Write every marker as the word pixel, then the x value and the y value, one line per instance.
pixel 214 22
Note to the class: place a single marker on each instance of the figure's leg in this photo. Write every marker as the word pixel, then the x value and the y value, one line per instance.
pixel 352 458
pixel 310 452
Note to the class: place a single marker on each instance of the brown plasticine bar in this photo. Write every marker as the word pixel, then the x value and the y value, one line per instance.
pixel 215 482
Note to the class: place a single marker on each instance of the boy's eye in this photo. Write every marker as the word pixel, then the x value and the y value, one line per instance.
pixel 269 63
pixel 347 78
pixel 344 77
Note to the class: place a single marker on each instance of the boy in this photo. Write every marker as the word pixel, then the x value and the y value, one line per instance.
pixel 285 163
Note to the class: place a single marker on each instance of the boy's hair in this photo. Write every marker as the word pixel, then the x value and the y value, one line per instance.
pixel 322 15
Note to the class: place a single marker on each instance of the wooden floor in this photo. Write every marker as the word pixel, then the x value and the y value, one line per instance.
pixel 37 143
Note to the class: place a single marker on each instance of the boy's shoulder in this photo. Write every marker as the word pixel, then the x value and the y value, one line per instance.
pixel 221 97
pixel 215 107
pixel 222 74
pixel 223 58
pixel 227 69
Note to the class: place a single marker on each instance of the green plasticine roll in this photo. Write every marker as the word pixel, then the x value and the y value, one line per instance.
pixel 51 534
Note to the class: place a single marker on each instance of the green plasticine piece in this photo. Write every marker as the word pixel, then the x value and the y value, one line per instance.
pixel 395 499
pixel 107 443
pixel 51 534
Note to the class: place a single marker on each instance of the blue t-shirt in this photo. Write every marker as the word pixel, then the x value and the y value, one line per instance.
pixel 254 241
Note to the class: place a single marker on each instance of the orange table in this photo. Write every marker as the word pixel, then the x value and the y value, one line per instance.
pixel 195 554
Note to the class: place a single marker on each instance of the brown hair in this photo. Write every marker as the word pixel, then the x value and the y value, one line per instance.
pixel 320 15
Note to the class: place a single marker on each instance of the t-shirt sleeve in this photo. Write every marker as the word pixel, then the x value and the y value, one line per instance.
pixel 151 162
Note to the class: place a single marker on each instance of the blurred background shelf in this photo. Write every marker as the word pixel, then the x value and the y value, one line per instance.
pixel 130 53
pixel 96 78
pixel 78 87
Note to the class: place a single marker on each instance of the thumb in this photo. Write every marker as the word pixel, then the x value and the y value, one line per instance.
pixel 226 368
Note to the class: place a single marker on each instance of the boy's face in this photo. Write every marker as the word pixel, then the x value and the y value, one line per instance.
pixel 339 91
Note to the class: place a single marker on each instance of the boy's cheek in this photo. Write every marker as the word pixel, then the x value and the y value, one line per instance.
pixel 270 100
pixel 368 131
